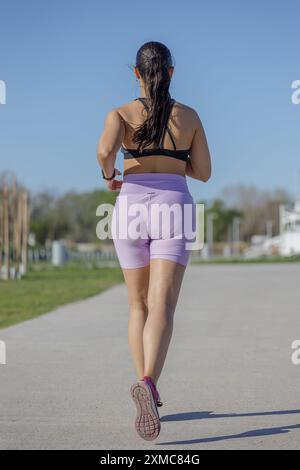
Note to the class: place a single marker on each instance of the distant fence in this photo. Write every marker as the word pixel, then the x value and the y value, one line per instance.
pixel 45 254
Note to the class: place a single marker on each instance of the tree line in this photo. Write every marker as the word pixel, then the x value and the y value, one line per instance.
pixel 72 215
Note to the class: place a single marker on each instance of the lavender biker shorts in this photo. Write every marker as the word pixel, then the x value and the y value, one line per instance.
pixel 153 217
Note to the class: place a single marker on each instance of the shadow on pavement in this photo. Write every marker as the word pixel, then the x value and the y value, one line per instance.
pixel 253 433
pixel 210 414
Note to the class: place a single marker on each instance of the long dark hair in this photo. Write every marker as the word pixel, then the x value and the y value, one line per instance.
pixel 153 60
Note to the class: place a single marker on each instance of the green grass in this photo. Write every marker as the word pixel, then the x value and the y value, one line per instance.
pixel 45 288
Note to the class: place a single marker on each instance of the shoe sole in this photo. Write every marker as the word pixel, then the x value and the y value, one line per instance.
pixel 147 422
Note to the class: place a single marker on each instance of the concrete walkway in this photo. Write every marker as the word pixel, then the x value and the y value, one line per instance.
pixel 228 381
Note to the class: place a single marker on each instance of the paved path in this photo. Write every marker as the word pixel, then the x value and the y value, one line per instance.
pixel 228 381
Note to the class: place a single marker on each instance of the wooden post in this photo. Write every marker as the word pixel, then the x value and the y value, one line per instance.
pixel 25 230
pixel 14 220
pixel 19 230
pixel 14 228
pixel 6 231
pixel 1 231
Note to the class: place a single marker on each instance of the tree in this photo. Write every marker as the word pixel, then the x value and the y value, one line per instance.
pixel 71 215
pixel 223 220
pixel 258 207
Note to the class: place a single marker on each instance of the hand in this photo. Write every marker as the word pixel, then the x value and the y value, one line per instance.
pixel 114 185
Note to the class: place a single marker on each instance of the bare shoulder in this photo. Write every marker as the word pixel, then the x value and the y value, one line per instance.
pixel 126 110
pixel 188 113
pixel 181 113
pixel 112 115
pixel 188 110
pixel 127 104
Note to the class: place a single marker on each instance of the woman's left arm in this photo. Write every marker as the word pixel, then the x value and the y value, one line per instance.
pixel 109 143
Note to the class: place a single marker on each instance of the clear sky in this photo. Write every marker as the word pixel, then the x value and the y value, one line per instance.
pixel 67 63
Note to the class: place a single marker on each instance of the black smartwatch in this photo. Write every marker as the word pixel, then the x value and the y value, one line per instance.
pixel 112 177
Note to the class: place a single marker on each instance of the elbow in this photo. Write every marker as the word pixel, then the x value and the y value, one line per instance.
pixel 206 174
pixel 103 155
pixel 100 158
pixel 206 177
pixel 201 170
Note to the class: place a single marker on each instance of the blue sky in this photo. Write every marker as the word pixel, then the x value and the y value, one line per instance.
pixel 66 64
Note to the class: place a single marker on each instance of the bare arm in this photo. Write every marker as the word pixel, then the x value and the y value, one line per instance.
pixel 110 141
pixel 199 162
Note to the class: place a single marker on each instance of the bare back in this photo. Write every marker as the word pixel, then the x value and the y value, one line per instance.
pixel 182 124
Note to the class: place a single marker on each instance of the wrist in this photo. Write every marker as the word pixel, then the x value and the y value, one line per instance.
pixel 108 178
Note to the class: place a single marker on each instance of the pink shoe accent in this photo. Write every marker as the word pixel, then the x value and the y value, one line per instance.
pixel 154 390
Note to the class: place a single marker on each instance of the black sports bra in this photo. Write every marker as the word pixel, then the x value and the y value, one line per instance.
pixel 179 154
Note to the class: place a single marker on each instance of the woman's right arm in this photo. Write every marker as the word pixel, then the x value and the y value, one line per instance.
pixel 199 162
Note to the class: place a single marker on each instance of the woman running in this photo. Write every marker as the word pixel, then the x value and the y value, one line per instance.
pixel 163 141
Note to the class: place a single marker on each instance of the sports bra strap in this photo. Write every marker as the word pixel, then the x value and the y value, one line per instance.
pixel 165 125
pixel 142 100
pixel 171 137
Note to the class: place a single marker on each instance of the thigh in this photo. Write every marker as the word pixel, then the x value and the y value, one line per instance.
pixel 172 223
pixel 137 282
pixel 165 281
pixel 129 233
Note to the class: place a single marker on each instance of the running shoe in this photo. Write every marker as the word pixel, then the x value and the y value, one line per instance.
pixel 147 422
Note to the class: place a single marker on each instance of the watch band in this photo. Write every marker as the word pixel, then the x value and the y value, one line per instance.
pixel 112 177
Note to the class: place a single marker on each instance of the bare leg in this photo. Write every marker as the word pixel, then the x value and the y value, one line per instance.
pixel 164 287
pixel 137 281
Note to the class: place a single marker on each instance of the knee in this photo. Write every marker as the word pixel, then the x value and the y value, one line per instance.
pixel 161 307
pixel 138 305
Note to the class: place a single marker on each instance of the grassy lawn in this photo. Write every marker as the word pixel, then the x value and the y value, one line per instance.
pixel 46 288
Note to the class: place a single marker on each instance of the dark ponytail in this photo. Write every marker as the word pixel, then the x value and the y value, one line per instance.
pixel 153 60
